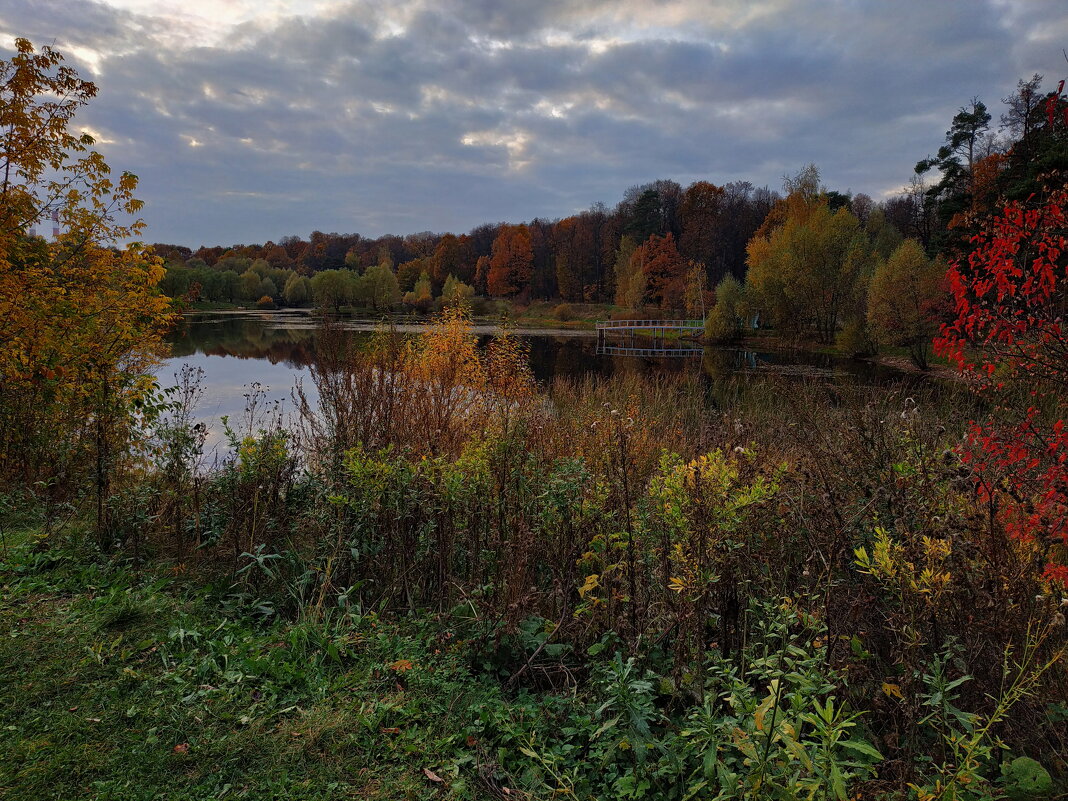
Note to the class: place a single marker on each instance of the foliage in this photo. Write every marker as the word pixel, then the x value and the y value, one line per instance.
pixel 81 318
pixel 724 323
pixel 630 278
pixel 378 288
pixel 421 295
pixel 1008 334
pixel 456 292
pixel 333 289
pixel 805 270
pixel 512 261
pixel 904 300
pixel 664 270
pixel 297 290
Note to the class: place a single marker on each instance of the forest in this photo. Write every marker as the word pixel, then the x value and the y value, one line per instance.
pixel 440 578
pixel 813 263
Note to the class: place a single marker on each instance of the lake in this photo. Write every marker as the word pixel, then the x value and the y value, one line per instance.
pixel 238 351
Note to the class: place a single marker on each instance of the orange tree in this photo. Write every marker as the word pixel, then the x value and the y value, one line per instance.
pixel 81 317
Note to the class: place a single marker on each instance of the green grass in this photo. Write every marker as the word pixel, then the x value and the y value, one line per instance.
pixel 128 684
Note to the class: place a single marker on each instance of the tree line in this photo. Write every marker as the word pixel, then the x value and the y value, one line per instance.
pixel 811 261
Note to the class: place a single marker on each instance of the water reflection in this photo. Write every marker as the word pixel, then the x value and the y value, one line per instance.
pixel 235 351
pixel 664 351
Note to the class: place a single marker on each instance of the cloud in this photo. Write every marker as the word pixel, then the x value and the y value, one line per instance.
pixel 249 121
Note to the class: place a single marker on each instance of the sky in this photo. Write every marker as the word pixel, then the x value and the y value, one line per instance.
pixel 250 120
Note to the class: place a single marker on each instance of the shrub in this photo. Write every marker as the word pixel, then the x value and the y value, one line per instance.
pixel 563 312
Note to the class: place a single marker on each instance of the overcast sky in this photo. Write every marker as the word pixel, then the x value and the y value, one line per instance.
pixel 248 120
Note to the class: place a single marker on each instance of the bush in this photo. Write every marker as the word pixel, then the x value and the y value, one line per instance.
pixel 266 302
pixel 723 323
pixel 854 340
pixel 563 312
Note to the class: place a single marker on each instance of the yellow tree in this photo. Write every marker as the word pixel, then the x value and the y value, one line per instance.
pixel 804 271
pixel 906 298
pixel 81 317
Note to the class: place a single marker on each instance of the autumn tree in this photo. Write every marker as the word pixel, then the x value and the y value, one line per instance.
pixel 1008 335
pixel 456 292
pixel 453 256
pixel 577 252
pixel 421 295
pixel 904 300
pixel 695 294
pixel 482 269
pixel 803 270
pixel 630 280
pixel 408 273
pixel 724 321
pixel 81 318
pixel 664 269
pixel 543 273
pixel 511 263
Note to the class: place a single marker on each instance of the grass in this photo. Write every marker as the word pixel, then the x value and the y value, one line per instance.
pixel 130 684
pixel 602 591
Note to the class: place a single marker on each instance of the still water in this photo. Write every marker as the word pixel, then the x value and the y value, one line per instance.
pixel 271 351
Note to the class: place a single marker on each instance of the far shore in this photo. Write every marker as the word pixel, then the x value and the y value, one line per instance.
pixel 408 326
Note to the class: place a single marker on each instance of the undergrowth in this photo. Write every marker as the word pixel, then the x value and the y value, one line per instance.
pixel 448 581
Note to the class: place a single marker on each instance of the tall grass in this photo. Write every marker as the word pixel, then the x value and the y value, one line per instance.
pixel 656 516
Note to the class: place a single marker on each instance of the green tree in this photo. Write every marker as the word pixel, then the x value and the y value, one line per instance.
pixel 421 295
pixel 297 290
pixel 956 161
pixel 249 287
pixel 724 323
pixel 804 272
pixel 456 292
pixel 379 288
pixel 904 300
pixel 352 260
pixel 332 289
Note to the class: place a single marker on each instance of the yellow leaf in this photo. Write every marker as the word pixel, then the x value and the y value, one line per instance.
pixel 592 582
pixel 892 691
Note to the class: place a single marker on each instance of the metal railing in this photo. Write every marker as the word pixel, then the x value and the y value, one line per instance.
pixel 606 325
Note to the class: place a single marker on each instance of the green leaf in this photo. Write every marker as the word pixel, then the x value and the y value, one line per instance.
pixel 605 726
pixel 838 784
pixel 862 747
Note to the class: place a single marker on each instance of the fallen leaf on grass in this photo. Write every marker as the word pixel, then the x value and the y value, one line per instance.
pixel 181 748
pixel 432 775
